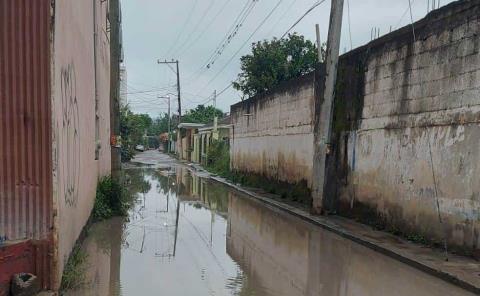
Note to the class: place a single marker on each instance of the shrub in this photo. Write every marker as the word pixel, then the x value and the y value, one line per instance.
pixel 218 160
pixel 109 200
pixel 74 272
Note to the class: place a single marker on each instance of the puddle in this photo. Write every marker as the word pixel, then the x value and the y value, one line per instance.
pixel 188 236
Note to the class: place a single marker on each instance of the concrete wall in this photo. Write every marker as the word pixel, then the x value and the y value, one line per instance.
pixel 80 93
pixel 406 130
pixel 273 133
pixel 411 141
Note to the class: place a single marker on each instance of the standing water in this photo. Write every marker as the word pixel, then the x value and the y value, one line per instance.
pixel 186 235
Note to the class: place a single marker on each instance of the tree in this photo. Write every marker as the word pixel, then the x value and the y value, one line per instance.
pixel 275 61
pixel 160 125
pixel 132 130
pixel 202 114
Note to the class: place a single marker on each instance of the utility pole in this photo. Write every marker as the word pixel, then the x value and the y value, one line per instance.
pixel 116 59
pixel 215 119
pixel 323 121
pixel 179 136
pixel 319 43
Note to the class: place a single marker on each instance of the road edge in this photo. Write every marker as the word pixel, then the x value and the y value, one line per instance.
pixel 322 222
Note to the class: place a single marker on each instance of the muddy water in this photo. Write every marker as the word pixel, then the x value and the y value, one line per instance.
pixel 188 236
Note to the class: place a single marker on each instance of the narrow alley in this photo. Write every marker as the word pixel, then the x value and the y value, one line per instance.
pixel 188 235
pixel 239 148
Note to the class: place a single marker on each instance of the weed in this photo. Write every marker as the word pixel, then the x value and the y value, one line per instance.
pixel 74 271
pixel 218 160
pixel 109 200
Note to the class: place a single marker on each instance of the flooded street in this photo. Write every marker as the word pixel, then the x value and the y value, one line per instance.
pixel 187 235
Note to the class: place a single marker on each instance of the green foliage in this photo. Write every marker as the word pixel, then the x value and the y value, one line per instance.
pixel 110 199
pixel 275 61
pixel 160 125
pixel 202 114
pixel 134 127
pixel 299 192
pixel 132 130
pixel 218 160
pixel 74 272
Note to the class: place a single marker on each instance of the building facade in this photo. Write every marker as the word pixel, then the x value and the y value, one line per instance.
pixel 55 127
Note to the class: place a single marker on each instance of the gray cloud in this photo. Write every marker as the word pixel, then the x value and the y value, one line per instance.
pixel 152 27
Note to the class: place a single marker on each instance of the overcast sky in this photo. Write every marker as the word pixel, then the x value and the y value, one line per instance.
pixel 190 30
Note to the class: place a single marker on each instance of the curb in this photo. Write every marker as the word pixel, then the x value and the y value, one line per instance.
pixel 327 225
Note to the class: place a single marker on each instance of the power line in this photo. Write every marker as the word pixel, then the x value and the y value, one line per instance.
pixel 411 19
pixel 232 31
pixel 196 26
pixel 212 20
pixel 404 14
pixel 349 24
pixel 281 17
pixel 243 45
pixel 174 44
pixel 302 17
pixel 225 89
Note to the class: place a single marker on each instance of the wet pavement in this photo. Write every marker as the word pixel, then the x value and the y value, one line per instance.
pixel 187 235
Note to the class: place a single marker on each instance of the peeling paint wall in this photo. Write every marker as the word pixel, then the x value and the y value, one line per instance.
pixel 81 116
pixel 412 156
pixel 272 134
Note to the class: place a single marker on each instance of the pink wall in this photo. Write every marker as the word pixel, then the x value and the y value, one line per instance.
pixel 79 94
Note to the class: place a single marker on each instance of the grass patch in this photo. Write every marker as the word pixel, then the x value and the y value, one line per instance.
pixel 75 269
pixel 298 192
pixel 218 160
pixel 110 200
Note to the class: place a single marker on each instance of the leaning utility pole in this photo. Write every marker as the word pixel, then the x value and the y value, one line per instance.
pixel 323 121
pixel 179 136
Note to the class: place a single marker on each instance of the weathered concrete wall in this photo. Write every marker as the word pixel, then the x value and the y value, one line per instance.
pixel 273 133
pixel 406 130
pixel 81 116
pixel 407 140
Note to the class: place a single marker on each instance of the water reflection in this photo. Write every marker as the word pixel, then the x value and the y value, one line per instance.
pixel 188 236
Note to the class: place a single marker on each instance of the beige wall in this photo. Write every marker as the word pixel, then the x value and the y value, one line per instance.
pixel 406 129
pixel 272 135
pixel 75 170
pixel 419 131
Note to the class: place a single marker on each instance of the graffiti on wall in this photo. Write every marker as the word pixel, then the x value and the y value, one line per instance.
pixel 69 140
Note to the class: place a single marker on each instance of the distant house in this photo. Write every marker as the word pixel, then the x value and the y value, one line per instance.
pixel 211 131
pixel 163 138
pixel 189 141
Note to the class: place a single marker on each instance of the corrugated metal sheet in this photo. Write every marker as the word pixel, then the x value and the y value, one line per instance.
pixel 25 138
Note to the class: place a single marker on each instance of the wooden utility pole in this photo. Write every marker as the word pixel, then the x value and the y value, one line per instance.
pixel 323 121
pixel 179 136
